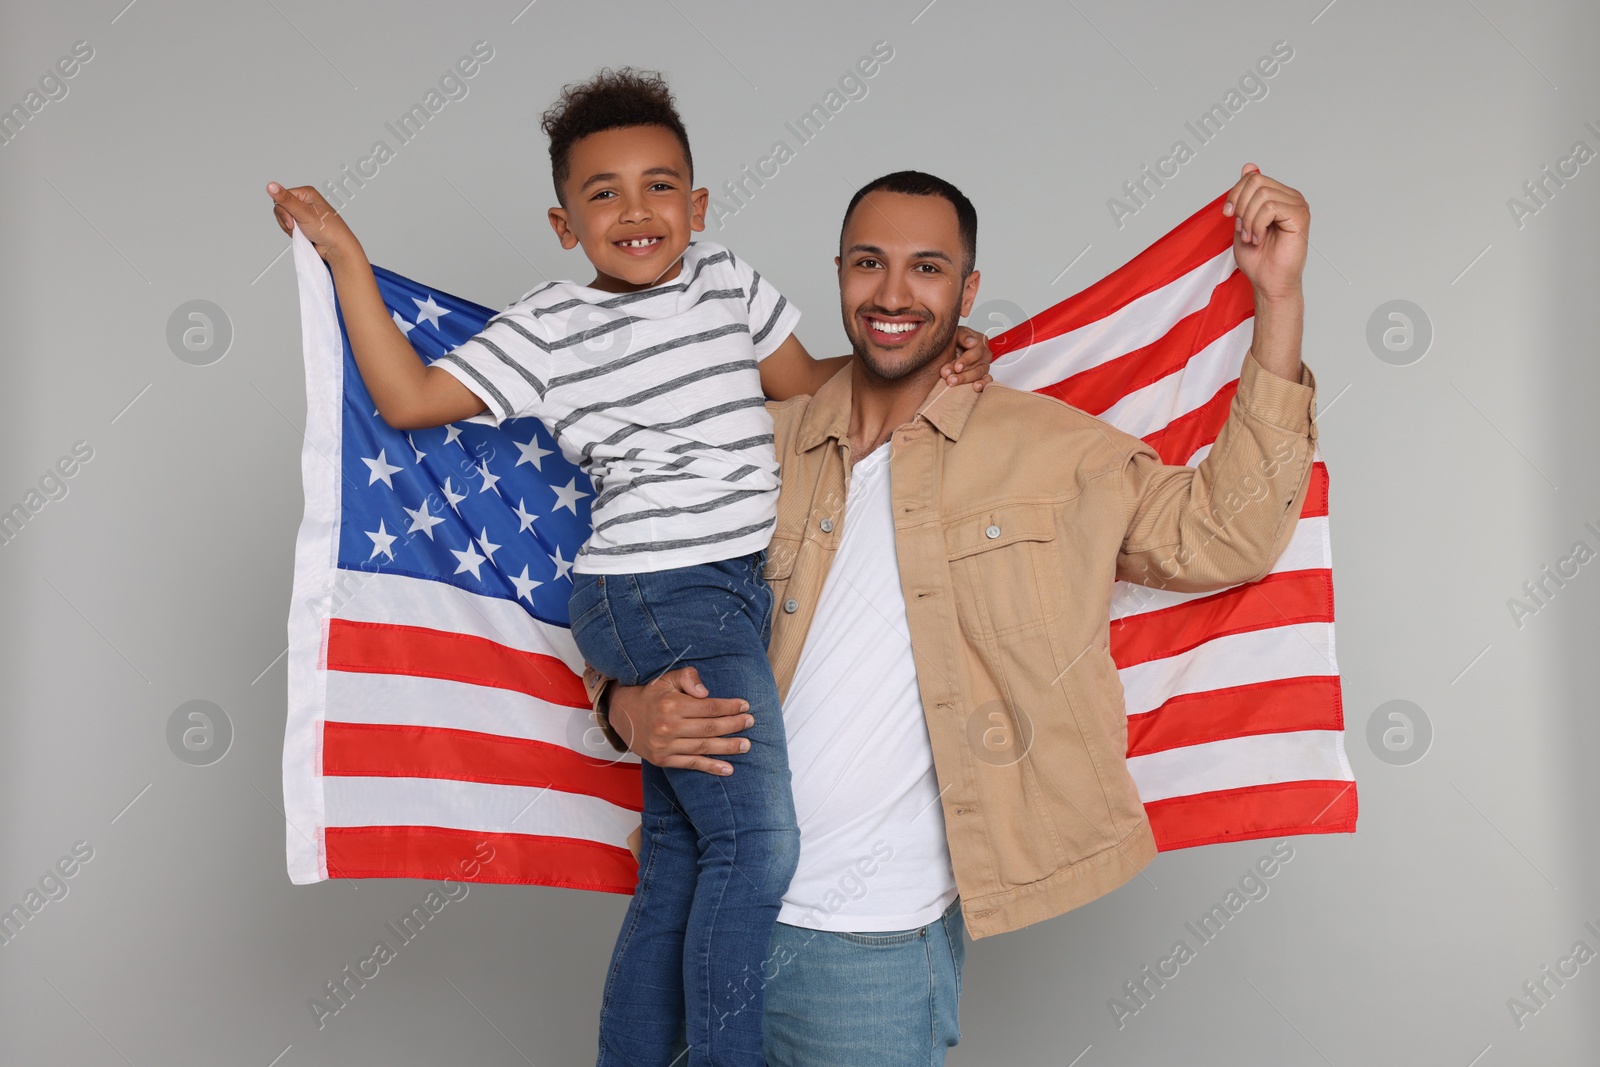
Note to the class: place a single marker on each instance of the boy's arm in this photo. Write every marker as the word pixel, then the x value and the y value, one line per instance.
pixel 792 371
pixel 409 394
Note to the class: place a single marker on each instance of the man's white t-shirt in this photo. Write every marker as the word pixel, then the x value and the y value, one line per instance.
pixel 873 854
pixel 657 397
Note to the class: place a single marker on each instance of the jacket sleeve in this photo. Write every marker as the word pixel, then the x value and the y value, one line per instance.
pixel 1226 521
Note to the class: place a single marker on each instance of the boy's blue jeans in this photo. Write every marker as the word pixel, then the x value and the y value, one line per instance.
pixel 718 851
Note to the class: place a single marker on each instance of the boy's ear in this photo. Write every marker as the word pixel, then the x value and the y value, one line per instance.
pixel 564 231
pixel 699 199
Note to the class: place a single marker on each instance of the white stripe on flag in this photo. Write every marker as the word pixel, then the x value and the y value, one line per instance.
pixel 1144 411
pixel 1307 550
pixel 405 700
pixel 402 600
pixel 1302 650
pixel 1239 762
pixel 485 808
pixel 1132 326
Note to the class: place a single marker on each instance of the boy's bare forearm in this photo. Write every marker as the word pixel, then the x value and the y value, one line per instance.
pixel 391 369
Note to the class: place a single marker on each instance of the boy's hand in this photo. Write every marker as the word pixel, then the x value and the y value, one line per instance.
pixel 307 208
pixel 972 360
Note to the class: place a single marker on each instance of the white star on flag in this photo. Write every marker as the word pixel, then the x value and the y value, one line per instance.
pixel 569 496
pixel 525 585
pixel 563 566
pixel 381 469
pixel 470 560
pixel 488 546
pixel 488 479
pixel 405 327
pixel 382 541
pixel 422 521
pixel 429 311
pixel 451 433
pixel 524 520
pixel 451 496
pixel 421 455
pixel 531 453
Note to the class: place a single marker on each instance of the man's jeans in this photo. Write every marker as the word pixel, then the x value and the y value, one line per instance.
pixel 718 851
pixel 883 999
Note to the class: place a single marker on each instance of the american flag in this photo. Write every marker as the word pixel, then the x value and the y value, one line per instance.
pixel 1235 718
pixel 435 703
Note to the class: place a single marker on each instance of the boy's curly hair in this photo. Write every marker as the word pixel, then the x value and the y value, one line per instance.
pixel 610 99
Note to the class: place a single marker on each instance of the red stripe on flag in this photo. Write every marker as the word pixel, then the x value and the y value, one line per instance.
pixel 385 648
pixel 1277 810
pixel 1276 600
pixel 1097 388
pixel 1276 706
pixel 1185 435
pixel 440 852
pixel 1204 235
pixel 367 750
pixel 1317 493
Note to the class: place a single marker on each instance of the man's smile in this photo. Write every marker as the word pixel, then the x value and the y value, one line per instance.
pixel 892 332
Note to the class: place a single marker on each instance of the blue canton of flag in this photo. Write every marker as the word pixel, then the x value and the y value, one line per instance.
pixel 496 511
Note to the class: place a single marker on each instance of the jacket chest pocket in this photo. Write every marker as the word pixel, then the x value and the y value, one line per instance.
pixel 1005 568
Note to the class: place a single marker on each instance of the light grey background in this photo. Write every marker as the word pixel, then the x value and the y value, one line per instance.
pixel 163 576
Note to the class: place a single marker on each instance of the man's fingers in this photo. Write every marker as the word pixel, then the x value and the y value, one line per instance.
pixel 697 763
pixel 686 680
pixel 730 720
pixel 1247 175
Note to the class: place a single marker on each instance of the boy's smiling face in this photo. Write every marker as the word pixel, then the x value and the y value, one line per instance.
pixel 628 202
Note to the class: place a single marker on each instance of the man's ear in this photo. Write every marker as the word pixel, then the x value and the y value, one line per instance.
pixel 969 293
pixel 698 200
pixel 564 232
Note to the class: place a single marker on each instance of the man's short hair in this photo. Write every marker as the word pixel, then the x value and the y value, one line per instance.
pixel 917 183
pixel 609 100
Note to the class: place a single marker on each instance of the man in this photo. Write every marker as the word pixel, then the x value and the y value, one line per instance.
pixel 942 569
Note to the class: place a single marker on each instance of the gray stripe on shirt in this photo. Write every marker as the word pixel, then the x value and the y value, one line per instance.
pixel 488 386
pixel 687 542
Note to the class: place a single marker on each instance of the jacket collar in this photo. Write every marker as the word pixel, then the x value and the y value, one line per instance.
pixel 827 417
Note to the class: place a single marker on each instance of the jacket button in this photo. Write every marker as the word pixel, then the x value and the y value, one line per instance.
pixel 827 525
pixel 791 605
pixel 992 532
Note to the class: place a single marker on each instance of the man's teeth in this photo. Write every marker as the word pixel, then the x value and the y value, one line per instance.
pixel 894 327
pixel 642 242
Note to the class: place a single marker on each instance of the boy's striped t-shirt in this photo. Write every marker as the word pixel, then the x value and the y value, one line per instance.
pixel 656 396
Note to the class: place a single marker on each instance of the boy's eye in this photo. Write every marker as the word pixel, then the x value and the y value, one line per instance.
pixel 662 185
pixel 602 194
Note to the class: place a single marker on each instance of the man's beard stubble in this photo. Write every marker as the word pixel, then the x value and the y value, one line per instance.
pixel 932 347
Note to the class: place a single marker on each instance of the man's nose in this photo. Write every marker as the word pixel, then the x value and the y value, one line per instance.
pixel 894 292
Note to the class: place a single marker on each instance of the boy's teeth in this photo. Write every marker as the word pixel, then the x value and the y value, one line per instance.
pixel 641 242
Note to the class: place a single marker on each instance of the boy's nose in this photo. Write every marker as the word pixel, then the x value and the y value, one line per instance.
pixel 635 210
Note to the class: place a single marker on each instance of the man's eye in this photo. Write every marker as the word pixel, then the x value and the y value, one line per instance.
pixel 928 266
pixel 869 263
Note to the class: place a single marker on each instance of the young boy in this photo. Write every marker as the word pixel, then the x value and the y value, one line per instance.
pixel 650 378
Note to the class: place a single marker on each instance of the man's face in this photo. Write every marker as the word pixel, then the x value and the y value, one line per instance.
pixel 628 203
pixel 900 286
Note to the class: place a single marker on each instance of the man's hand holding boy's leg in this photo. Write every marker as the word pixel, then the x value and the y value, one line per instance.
pixel 675 722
